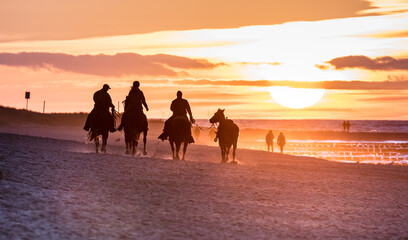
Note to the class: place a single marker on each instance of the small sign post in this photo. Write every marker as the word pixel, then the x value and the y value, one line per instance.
pixel 27 96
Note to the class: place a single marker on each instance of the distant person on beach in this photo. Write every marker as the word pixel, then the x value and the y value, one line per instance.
pixel 179 107
pixel 348 126
pixel 269 140
pixel 135 101
pixel 103 102
pixel 344 126
pixel 281 141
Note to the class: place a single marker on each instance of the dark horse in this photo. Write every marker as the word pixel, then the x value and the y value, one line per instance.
pixel 136 123
pixel 179 132
pixel 227 134
pixel 100 125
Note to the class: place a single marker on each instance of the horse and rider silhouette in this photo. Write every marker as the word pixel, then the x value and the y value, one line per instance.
pixel 177 129
pixel 134 121
pixel 100 122
pixel 227 135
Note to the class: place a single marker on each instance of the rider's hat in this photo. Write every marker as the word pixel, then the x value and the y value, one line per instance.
pixel 106 86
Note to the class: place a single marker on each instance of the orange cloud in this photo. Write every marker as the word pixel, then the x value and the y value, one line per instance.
pixel 56 20
pixel 338 85
pixel 386 63
pixel 260 63
pixel 120 64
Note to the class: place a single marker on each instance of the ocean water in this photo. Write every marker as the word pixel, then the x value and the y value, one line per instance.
pixel 320 125
pixel 352 151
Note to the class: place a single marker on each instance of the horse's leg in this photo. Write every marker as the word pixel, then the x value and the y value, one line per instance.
pixel 144 142
pixel 127 143
pixel 127 147
pixel 234 148
pixel 104 141
pixel 184 149
pixel 178 145
pixel 172 148
pixel 227 150
pixel 97 144
pixel 222 154
pixel 134 146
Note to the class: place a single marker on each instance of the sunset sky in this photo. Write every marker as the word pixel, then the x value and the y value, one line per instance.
pixel 347 59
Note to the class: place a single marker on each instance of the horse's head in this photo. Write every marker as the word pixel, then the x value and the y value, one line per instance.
pixel 218 116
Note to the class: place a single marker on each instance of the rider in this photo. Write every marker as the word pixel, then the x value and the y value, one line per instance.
pixel 134 101
pixel 179 107
pixel 103 102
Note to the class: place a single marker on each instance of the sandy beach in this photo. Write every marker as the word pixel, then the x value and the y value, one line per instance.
pixel 60 189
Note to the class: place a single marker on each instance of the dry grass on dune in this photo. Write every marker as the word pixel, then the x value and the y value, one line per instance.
pixel 21 116
pixel 12 116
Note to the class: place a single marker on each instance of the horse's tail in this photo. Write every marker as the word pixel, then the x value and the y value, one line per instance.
pixel 91 136
pixel 136 122
pixel 181 129
pixel 100 123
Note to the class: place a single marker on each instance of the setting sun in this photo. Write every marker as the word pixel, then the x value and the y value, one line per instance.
pixel 296 97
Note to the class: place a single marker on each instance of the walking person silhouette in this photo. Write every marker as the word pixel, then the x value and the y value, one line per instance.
pixel 269 140
pixel 281 141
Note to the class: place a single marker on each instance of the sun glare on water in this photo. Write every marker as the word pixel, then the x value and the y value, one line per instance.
pixel 296 97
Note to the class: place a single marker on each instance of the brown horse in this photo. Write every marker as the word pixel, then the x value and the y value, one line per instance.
pixel 179 132
pixel 227 134
pixel 100 122
pixel 135 124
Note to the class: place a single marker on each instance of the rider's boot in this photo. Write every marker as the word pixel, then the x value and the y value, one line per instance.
pixel 163 136
pixel 112 128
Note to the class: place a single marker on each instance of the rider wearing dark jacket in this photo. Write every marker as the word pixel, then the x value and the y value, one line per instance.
pixel 134 102
pixel 103 102
pixel 179 107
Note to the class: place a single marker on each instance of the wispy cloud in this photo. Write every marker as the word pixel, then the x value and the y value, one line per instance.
pixel 385 63
pixel 338 85
pixel 388 34
pixel 261 63
pixel 120 64
pixel 386 7
pixel 386 99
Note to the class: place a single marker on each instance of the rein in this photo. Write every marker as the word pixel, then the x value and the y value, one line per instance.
pixel 202 129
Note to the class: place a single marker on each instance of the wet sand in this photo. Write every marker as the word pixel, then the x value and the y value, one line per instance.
pixel 60 189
